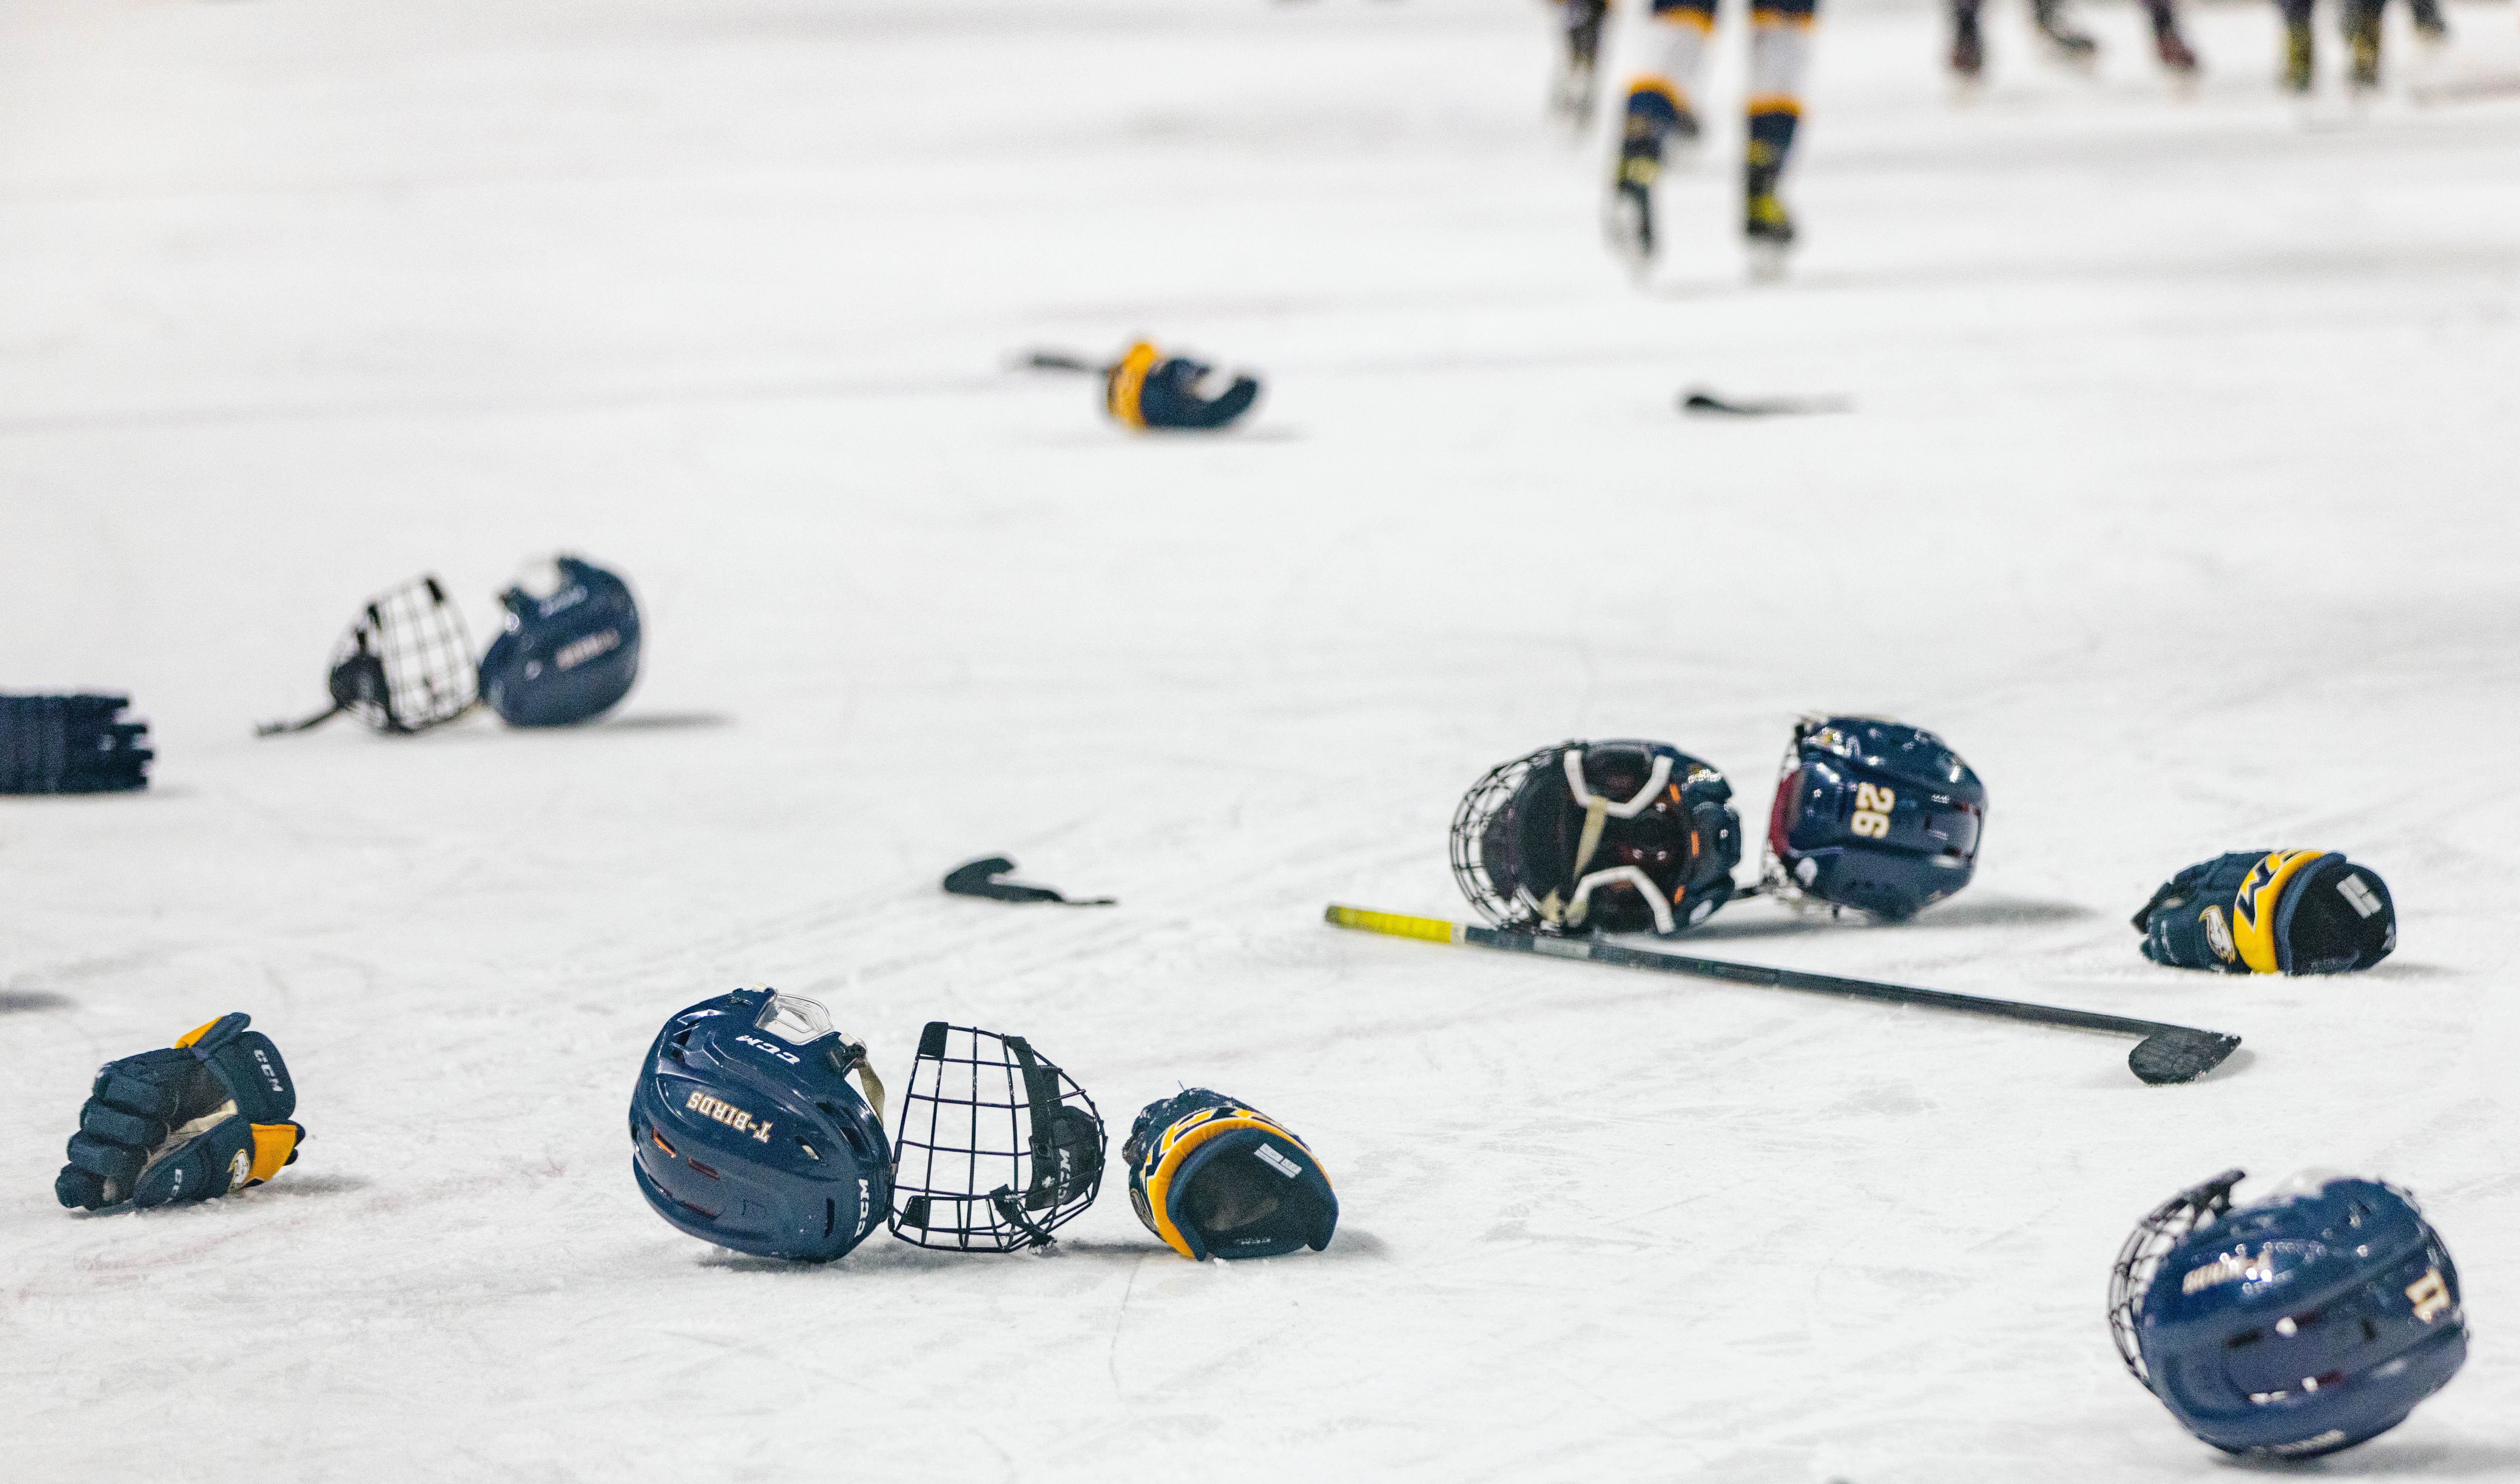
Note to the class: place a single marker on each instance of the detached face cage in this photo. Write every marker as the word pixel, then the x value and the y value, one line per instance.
pixel 997 1149
pixel 405 665
pixel 2146 1246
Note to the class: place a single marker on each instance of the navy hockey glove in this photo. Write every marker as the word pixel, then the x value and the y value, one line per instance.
pixel 2292 912
pixel 1150 389
pixel 206 1117
pixel 1215 1178
pixel 70 744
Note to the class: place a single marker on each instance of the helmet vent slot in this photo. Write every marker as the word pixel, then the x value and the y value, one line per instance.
pixel 661 1142
pixel 703 1169
pixel 2244 1339
pixel 830 1215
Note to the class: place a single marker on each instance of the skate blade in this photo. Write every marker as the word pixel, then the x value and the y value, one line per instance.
pixel 1963 90
pixel 1766 261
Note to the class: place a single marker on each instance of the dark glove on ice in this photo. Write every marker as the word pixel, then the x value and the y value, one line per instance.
pixel 1149 389
pixel 207 1116
pixel 2293 912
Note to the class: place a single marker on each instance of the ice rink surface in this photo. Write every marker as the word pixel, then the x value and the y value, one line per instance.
pixel 2178 495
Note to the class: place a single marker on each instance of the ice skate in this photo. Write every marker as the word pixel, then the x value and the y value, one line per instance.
pixel 2069 43
pixel 1766 231
pixel 1969 56
pixel 1628 216
pixel 2301 55
pixel 2362 43
pixel 2178 58
pixel 1570 98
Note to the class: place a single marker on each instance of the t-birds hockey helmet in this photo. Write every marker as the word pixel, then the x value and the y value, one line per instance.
pixel 570 648
pixel 1874 815
pixel 745 1131
pixel 1602 836
pixel 2305 1322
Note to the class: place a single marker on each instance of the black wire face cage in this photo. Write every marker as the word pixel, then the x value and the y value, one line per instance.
pixel 998 1148
pixel 406 664
pixel 2146 1246
pixel 1474 826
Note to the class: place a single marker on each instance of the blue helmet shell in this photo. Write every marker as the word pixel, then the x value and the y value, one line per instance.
pixel 566 656
pixel 2294 1326
pixel 1875 815
pixel 748 1138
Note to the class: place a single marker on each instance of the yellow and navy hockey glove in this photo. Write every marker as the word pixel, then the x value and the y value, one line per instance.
pixel 207 1116
pixel 2267 912
pixel 1216 1179
pixel 1147 388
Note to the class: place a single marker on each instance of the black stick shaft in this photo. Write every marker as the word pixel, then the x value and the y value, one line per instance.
pixel 1597 952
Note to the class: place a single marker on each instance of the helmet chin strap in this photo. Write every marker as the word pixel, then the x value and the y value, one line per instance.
pixel 1596 814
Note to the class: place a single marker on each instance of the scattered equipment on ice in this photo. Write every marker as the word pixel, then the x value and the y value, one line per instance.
pixel 569 652
pixel 1871 815
pixel 2167 1053
pixel 206 1117
pixel 2267 911
pixel 1147 388
pixel 1214 1178
pixel 979 878
pixel 2342 1319
pixel 72 744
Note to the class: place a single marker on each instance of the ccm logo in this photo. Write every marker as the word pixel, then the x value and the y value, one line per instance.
pixel 757 1042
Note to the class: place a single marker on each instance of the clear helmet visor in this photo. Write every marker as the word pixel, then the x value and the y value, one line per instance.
pixel 795 1020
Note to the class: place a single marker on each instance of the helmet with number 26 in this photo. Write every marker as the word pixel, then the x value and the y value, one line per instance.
pixel 1874 815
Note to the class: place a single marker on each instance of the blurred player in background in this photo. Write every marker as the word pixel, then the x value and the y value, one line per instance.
pixel 1571 100
pixel 2072 44
pixel 1662 112
pixel 2362 24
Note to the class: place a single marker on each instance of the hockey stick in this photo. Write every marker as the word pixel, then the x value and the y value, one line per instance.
pixel 1060 360
pixel 2167 1053
pixel 1701 400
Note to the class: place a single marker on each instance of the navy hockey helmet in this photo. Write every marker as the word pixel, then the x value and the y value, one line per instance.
pixel 2305 1322
pixel 745 1131
pixel 570 648
pixel 1874 815
pixel 1605 836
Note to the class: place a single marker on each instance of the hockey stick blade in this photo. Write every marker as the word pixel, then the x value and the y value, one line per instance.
pixel 1060 360
pixel 2166 1053
pixel 1707 404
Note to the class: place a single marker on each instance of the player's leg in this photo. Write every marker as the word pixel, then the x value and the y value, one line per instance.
pixel 2430 24
pixel 1969 45
pixel 1582 20
pixel 2167 43
pixel 2362 41
pixel 2301 52
pixel 1781 42
pixel 1658 111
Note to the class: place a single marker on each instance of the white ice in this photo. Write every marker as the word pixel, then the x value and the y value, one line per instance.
pixel 2178 495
